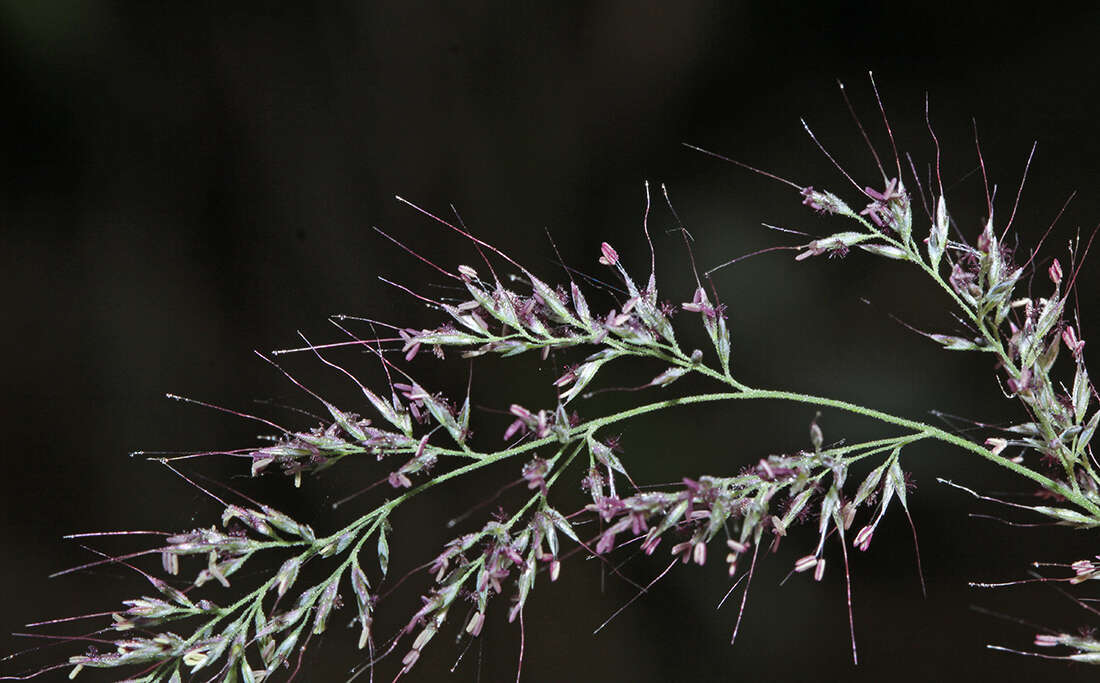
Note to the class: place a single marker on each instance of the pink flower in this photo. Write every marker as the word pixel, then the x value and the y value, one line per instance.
pixel 609 257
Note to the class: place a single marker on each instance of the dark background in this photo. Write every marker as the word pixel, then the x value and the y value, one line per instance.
pixel 183 184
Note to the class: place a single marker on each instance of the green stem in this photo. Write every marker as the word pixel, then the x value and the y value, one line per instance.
pixel 934 432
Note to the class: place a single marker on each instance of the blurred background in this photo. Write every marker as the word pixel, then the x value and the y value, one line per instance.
pixel 185 183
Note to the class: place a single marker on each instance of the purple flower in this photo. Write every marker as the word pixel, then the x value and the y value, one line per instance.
pixel 609 257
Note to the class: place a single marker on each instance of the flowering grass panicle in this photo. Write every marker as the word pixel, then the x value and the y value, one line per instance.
pixel 421 438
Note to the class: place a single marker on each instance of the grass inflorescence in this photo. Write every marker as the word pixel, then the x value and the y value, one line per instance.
pixel 424 439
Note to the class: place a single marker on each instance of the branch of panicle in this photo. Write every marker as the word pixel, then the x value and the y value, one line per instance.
pixel 1026 334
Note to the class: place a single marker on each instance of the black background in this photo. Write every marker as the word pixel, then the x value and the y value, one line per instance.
pixel 184 184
